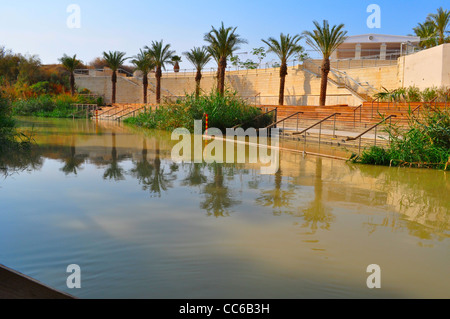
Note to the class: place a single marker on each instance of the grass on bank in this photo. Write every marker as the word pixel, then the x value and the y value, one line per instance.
pixel 424 143
pixel 223 112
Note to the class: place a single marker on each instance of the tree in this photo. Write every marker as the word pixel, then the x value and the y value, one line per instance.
pixel 222 43
pixel 199 57
pixel 145 64
pixel 260 53
pixel 440 21
pixel 326 41
pixel 161 55
pixel 176 59
pixel 427 33
pixel 285 48
pixel 70 64
pixel 114 60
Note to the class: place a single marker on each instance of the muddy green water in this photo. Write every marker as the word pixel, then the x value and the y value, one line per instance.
pixel 109 198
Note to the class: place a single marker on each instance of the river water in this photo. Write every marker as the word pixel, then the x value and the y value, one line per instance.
pixel 109 198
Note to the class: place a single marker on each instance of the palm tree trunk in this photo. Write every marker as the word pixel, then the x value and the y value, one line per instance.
pixel 221 75
pixel 72 83
pixel 158 75
pixel 145 85
pixel 283 73
pixel 198 77
pixel 325 69
pixel 114 81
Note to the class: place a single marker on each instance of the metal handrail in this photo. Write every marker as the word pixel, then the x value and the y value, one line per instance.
pixel 120 117
pixel 119 111
pixel 354 115
pixel 373 101
pixel 273 110
pixel 108 110
pixel 286 118
pixel 315 124
pixel 368 130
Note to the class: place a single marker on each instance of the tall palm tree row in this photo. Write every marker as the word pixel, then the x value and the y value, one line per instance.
pixel 114 60
pixel 161 55
pixel 440 21
pixel 284 48
pixel 70 64
pixel 326 40
pixel 144 63
pixel 223 42
pixel 199 57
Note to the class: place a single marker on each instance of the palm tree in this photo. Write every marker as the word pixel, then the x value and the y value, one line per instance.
pixel 441 21
pixel 114 60
pixel 70 64
pixel 145 64
pixel 176 59
pixel 222 43
pixel 199 57
pixel 285 48
pixel 427 33
pixel 325 41
pixel 161 55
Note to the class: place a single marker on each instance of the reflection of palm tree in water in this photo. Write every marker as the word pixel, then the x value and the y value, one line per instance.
pixel 218 196
pixel 160 181
pixel 143 170
pixel 317 213
pixel 73 162
pixel 195 176
pixel 114 171
pixel 278 198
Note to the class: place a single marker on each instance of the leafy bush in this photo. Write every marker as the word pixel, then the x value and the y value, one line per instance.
pixel 425 143
pixel 223 112
pixel 59 106
pixel 414 94
pixel 9 137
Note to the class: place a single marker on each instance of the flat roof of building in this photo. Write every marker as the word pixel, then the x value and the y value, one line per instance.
pixel 381 38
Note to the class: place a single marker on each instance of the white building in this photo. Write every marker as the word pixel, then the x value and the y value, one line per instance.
pixel 376 46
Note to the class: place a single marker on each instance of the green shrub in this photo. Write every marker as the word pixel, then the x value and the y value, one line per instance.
pixel 425 143
pixel 58 106
pixel 9 137
pixel 223 112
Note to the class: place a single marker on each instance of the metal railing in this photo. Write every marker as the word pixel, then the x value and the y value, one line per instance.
pixel 354 114
pixel 273 125
pixel 87 107
pixel 368 130
pixel 320 126
pixel 133 111
pixel 261 115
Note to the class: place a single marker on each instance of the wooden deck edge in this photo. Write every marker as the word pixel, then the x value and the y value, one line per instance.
pixel 15 285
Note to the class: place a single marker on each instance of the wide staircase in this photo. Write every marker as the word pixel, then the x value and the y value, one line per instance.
pixel 118 112
pixel 345 125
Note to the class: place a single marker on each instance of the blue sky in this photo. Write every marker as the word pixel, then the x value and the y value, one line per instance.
pixel 39 27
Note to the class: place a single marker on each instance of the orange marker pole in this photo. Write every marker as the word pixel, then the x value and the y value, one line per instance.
pixel 206 131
